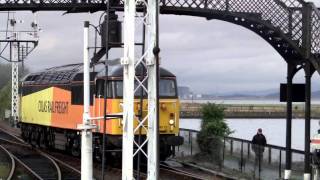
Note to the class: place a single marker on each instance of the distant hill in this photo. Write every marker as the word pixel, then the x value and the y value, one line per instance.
pixel 272 95
pixel 316 94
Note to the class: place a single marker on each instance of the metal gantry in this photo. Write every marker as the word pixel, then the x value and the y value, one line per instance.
pixel 14 80
pixel 17 45
pixel 133 83
pixel 292 27
pixel 280 22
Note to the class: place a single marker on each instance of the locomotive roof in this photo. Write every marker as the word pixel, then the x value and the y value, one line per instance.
pixel 56 75
pixel 74 72
pixel 118 72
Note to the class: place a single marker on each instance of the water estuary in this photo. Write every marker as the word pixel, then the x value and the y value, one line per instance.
pixel 273 129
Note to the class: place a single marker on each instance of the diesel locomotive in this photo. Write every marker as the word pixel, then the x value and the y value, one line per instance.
pixel 52 108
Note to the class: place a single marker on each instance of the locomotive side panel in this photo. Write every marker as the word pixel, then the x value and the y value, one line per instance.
pixel 98 112
pixel 51 107
pixel 35 107
pixel 66 115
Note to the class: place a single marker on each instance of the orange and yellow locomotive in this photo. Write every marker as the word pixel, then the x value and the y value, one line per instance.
pixel 52 108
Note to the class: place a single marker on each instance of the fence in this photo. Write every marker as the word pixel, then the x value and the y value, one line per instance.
pixel 237 157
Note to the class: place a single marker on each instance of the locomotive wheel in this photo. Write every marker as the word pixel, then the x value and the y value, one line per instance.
pixel 42 137
pixel 97 150
pixel 50 139
pixel 29 134
pixel 33 140
pixel 75 149
pixel 23 132
pixel 38 136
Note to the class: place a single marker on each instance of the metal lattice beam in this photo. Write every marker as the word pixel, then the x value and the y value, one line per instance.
pixel 148 84
pixel 278 20
pixel 14 82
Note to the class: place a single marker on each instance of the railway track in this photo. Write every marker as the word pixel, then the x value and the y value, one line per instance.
pixel 38 163
pixel 7 164
pixel 68 172
pixel 10 137
pixel 57 165
pixel 183 173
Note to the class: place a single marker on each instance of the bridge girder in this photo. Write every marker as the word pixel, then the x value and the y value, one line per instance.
pixel 279 22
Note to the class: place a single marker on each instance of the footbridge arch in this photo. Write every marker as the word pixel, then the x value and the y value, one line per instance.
pixel 280 22
pixel 292 27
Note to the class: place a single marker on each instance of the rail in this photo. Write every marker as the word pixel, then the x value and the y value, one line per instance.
pixel 12 162
pixel 179 173
pixel 45 168
pixel 239 156
pixel 64 170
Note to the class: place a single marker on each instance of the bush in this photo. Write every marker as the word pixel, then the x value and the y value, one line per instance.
pixel 213 129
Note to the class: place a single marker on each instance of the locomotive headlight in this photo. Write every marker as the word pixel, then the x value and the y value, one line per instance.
pixel 171 122
pixel 163 106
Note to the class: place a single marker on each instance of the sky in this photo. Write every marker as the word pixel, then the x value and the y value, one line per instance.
pixel 209 56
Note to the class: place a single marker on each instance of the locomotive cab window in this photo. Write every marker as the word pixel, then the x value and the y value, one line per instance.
pixel 167 89
pixel 77 94
pixel 119 89
pixel 100 89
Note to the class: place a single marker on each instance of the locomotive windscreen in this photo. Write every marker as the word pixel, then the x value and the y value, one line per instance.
pixel 167 88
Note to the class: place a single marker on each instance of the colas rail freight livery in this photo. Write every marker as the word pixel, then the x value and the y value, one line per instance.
pixel 52 107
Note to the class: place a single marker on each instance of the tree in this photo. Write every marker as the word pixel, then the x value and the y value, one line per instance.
pixel 5 73
pixel 5 98
pixel 213 129
pixel 5 85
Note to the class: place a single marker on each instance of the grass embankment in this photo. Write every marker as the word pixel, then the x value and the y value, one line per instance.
pixel 4 171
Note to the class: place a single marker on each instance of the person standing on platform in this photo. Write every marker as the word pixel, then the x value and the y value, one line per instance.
pixel 258 143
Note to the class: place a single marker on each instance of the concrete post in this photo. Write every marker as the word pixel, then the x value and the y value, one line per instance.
pixel 86 134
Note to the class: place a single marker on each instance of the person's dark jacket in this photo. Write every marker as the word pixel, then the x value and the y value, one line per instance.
pixel 258 143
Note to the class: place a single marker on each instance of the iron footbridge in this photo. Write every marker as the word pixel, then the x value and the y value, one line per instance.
pixel 292 27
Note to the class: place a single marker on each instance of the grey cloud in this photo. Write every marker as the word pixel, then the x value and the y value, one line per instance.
pixel 209 56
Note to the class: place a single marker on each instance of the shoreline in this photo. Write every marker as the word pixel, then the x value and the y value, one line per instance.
pixel 263 111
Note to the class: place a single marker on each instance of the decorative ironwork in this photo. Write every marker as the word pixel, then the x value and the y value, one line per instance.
pixel 315 39
pixel 277 21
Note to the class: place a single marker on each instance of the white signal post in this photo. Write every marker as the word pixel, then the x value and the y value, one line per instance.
pixel 153 126
pixel 130 62
pixel 86 127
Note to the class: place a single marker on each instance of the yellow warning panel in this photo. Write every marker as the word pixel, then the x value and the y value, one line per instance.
pixel 36 108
